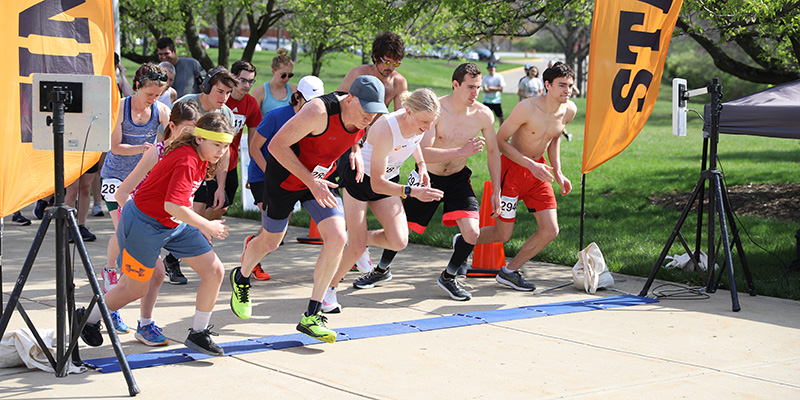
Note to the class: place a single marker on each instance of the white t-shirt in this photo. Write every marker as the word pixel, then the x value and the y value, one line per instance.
pixel 493 80
pixel 530 86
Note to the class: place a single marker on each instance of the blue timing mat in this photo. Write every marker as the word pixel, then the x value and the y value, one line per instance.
pixel 110 364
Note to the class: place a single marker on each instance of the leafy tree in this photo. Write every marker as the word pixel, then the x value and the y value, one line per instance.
pixel 767 32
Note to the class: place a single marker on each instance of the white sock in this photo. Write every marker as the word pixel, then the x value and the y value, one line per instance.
pixel 145 321
pixel 201 320
pixel 94 315
pixel 506 270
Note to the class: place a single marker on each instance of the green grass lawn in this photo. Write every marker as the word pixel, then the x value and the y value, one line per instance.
pixel 630 231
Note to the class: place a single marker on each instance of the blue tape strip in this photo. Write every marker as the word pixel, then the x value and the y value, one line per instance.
pixel 505 314
pixel 110 364
pixel 362 332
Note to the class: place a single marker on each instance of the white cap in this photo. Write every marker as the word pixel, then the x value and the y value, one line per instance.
pixel 310 87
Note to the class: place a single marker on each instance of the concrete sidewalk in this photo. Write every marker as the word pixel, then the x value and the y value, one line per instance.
pixel 664 350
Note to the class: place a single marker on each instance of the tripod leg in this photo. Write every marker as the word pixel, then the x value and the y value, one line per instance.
pixel 133 389
pixel 23 275
pixel 725 243
pixel 737 242
pixel 675 233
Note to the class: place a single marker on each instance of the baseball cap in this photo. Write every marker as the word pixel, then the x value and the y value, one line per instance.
pixel 370 93
pixel 528 66
pixel 491 65
pixel 310 87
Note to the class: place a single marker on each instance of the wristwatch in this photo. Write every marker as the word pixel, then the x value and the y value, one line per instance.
pixel 406 191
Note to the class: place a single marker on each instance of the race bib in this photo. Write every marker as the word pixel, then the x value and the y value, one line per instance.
pixel 108 188
pixel 321 172
pixel 413 178
pixel 392 170
pixel 508 207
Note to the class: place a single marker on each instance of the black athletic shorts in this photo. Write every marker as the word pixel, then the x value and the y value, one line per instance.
pixel 459 201
pixel 205 193
pixel 257 190
pixel 497 108
pixel 360 191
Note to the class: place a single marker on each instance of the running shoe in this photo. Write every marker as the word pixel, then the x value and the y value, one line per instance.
pixel 369 279
pixel 453 288
pixel 97 210
pixel 19 219
pixel 364 263
pixel 110 278
pixel 259 274
pixel 240 296
pixel 514 280
pixel 201 341
pixel 38 210
pixel 330 305
pixel 85 234
pixel 314 326
pixel 173 271
pixel 91 331
pixel 119 325
pixel 150 335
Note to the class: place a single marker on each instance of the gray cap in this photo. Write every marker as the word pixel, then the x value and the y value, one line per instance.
pixel 491 65
pixel 370 93
pixel 528 66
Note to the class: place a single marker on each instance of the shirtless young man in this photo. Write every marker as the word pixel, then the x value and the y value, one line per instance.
pixel 535 126
pixel 387 54
pixel 445 148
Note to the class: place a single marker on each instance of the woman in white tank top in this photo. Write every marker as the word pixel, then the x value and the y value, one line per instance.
pixel 391 140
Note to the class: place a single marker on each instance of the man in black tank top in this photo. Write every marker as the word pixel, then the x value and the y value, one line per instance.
pixel 302 154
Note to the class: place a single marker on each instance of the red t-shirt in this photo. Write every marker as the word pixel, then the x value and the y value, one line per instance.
pixel 174 179
pixel 246 113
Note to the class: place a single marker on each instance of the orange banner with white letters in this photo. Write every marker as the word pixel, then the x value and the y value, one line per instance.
pixel 46 36
pixel 630 39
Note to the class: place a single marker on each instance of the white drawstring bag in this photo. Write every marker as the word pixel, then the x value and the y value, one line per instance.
pixel 590 272
pixel 19 347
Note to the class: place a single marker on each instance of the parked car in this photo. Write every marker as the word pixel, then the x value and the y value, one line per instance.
pixel 212 42
pixel 271 43
pixel 486 55
pixel 241 42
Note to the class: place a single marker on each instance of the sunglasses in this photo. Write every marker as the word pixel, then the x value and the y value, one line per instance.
pixel 388 63
pixel 247 81
pixel 153 77
pixel 284 75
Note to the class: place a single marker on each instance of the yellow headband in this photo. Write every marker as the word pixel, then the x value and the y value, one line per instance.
pixel 215 136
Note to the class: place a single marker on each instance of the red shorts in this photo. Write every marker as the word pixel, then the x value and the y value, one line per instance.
pixel 519 182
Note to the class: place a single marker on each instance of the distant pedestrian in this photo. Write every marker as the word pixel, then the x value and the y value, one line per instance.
pixel 188 72
pixel 530 85
pixel 493 84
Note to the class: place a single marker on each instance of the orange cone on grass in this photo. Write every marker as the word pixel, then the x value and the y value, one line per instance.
pixel 487 259
pixel 313 235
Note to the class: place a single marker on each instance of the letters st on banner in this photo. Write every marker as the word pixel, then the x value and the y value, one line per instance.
pixel 47 36
pixel 630 40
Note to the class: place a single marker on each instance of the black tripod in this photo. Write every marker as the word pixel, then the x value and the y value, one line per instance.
pixel 718 207
pixel 65 288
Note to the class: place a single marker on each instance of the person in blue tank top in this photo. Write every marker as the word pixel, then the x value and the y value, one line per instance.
pixel 135 132
pixel 277 91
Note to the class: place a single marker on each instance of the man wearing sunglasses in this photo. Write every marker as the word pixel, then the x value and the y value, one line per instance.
pixel 387 55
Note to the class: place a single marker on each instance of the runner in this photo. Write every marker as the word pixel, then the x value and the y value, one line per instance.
pixel 533 128
pixel 391 140
pixel 301 156
pixel 446 148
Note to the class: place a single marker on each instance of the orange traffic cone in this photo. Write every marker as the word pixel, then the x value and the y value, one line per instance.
pixel 313 235
pixel 487 259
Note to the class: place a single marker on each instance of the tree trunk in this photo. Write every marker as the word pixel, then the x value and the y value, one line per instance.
pixel 316 59
pixel 193 40
pixel 224 38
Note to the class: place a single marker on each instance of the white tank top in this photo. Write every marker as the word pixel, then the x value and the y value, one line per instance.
pixel 401 147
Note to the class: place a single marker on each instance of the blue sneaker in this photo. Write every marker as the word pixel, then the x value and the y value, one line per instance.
pixel 119 325
pixel 150 335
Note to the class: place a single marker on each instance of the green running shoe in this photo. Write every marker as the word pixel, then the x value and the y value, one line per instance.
pixel 314 326
pixel 240 297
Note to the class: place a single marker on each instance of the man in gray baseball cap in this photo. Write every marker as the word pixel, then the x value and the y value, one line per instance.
pixel 302 155
pixel 370 93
